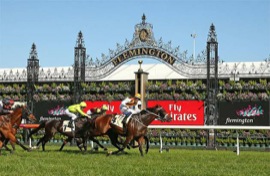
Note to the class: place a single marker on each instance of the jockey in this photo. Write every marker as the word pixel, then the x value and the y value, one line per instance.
pixel 72 110
pixel 130 105
pixel 5 106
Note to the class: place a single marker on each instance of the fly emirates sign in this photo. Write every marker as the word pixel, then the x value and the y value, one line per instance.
pixel 182 112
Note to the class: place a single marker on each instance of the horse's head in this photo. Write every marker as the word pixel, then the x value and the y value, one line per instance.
pixel 162 115
pixel 27 114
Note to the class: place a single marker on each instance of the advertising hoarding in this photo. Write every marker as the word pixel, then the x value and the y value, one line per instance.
pixel 244 113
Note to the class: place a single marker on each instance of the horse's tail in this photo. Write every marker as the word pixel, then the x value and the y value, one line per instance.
pixel 34 131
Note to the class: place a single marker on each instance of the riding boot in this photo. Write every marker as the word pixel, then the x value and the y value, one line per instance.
pixel 70 124
pixel 124 123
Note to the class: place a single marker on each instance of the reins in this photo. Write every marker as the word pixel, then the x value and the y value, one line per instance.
pixel 139 120
pixel 157 115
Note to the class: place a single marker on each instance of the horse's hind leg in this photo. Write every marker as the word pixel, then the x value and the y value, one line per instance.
pixel 13 139
pixel 7 148
pixel 12 145
pixel 1 145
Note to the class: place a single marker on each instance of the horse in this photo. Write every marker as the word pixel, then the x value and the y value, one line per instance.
pixel 10 123
pixel 136 128
pixel 89 132
pixel 53 126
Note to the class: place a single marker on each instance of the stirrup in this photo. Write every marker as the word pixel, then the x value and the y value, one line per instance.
pixel 70 124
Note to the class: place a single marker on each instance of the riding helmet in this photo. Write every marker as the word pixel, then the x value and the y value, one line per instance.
pixel 137 95
pixel 6 101
pixel 83 104
pixel 104 108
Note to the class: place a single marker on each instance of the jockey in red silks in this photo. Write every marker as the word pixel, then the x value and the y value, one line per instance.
pixel 6 106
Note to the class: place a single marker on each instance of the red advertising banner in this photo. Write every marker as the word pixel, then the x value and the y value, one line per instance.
pixel 182 112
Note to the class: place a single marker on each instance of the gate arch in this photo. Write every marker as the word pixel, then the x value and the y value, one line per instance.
pixel 144 45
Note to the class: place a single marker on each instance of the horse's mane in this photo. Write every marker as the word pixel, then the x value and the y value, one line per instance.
pixel 18 106
pixel 151 109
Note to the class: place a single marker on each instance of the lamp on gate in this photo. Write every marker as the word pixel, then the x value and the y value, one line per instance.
pixel 140 69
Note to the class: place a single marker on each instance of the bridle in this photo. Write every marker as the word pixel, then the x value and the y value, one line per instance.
pixel 157 115
pixel 25 113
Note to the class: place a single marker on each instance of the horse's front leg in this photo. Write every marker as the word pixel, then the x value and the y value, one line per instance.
pixel 140 142
pixel 97 142
pixel 114 139
pixel 65 142
pixel 82 144
pixel 147 144
pixel 127 141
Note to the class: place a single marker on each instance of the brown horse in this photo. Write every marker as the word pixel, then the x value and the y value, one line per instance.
pixel 10 123
pixel 53 126
pixel 136 127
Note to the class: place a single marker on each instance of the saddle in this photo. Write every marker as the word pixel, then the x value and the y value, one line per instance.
pixel 118 119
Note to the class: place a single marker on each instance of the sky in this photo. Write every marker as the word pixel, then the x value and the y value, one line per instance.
pixel 242 27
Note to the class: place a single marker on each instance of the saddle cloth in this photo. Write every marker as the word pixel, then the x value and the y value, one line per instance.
pixel 118 119
pixel 66 128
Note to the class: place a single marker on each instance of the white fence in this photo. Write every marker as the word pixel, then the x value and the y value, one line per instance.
pixel 212 127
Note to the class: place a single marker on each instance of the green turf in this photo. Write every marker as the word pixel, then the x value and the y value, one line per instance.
pixel 175 162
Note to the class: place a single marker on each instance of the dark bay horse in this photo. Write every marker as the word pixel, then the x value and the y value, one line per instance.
pixel 137 127
pixel 53 126
pixel 10 123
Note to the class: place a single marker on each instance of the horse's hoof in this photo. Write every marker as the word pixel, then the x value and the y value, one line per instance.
pixel 34 147
pixel 125 152
pixel 96 148
pixel 109 153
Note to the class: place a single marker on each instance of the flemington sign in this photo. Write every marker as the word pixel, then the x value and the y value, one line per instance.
pixel 152 52
pixel 244 113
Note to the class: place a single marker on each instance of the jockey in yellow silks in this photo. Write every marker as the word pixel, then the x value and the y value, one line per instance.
pixel 75 109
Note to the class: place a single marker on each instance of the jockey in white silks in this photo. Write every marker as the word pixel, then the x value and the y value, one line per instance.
pixel 130 105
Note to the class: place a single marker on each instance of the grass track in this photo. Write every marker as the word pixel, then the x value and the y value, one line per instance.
pixel 175 162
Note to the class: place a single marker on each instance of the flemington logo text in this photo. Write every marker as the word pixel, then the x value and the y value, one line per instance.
pixel 248 115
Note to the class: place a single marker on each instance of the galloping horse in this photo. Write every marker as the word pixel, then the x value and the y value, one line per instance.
pixel 54 126
pixel 137 127
pixel 10 123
